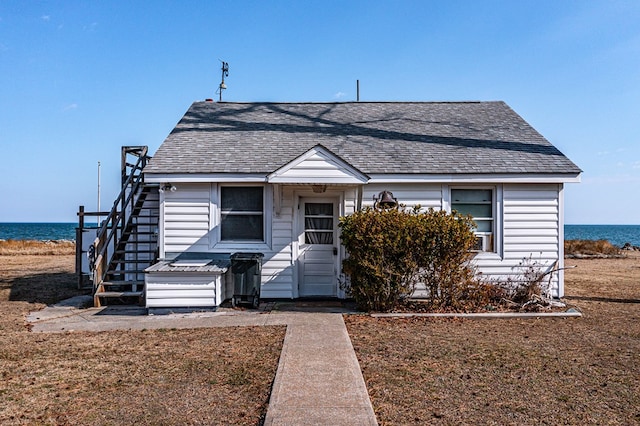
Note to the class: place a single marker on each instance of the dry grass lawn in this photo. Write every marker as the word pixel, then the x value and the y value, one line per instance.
pixel 547 371
pixel 31 247
pixel 418 371
pixel 168 377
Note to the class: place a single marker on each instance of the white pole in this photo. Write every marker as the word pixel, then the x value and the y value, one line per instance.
pixel 98 192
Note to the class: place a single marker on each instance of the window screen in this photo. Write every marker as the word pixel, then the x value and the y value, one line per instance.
pixel 318 223
pixel 479 204
pixel 242 213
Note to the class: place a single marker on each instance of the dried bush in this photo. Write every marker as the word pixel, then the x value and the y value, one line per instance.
pixel 590 248
pixel 482 295
pixel 444 243
pixel 381 265
pixel 528 283
pixel 529 287
pixel 391 251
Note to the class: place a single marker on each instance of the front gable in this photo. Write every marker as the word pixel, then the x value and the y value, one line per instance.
pixel 318 166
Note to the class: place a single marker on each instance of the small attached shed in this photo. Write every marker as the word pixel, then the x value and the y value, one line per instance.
pixel 274 178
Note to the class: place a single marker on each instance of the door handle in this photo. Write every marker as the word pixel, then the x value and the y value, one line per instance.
pixel 335 251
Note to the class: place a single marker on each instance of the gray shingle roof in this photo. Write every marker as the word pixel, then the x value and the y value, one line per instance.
pixel 374 137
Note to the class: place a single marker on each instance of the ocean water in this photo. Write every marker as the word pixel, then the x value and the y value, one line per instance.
pixel 617 234
pixel 38 231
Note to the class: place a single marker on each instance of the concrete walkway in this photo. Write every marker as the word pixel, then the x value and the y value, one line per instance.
pixel 318 381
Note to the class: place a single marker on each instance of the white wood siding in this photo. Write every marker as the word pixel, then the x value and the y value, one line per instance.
pixel 277 266
pixel 531 220
pixel 350 201
pixel 531 217
pixel 409 194
pixel 186 218
pixel 184 289
pixel 316 168
pixel 530 225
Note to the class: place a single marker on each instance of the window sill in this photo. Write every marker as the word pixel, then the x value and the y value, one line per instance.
pixel 487 255
pixel 238 246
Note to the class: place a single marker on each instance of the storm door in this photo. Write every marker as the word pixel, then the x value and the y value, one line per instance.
pixel 318 247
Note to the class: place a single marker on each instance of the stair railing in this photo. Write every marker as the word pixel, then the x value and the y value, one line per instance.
pixel 113 226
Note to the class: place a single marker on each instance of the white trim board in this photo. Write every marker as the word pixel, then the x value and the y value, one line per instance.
pixel 375 178
pixel 472 178
pixel 205 178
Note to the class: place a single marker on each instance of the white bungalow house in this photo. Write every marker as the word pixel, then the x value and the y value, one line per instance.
pixel 274 178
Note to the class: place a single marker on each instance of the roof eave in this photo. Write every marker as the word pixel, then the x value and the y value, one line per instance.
pixel 376 178
pixel 204 177
pixel 480 178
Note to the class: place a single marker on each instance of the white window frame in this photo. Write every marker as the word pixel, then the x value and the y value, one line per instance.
pixel 216 224
pixel 496 210
pixel 334 218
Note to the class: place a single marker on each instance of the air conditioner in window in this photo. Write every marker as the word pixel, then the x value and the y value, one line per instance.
pixel 484 242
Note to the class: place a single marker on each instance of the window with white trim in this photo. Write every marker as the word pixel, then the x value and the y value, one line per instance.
pixel 479 204
pixel 242 213
pixel 318 223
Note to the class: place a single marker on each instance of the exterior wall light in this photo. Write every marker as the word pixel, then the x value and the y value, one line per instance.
pixel 168 187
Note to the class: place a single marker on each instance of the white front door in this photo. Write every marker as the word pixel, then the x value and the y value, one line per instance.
pixel 318 247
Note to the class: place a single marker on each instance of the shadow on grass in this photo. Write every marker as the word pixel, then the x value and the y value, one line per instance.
pixel 43 288
pixel 602 299
pixel 323 305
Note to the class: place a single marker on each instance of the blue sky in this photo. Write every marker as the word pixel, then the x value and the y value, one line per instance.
pixel 81 79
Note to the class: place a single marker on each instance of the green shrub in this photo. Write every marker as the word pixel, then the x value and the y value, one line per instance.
pixel 390 251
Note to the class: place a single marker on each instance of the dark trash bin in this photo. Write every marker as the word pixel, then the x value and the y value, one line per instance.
pixel 247 272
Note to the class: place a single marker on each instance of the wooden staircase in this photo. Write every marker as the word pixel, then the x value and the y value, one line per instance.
pixel 127 240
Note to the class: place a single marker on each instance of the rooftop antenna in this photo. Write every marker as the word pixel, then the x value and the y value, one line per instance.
pixel 225 73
